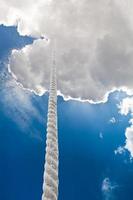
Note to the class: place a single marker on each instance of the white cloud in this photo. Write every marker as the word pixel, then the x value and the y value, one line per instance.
pixel 126 107
pixel 112 120
pixel 129 140
pixel 94 44
pixel 119 150
pixel 108 189
pixel 101 135
pixel 24 13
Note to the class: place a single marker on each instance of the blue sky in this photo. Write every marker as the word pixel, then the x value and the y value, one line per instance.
pixel 89 168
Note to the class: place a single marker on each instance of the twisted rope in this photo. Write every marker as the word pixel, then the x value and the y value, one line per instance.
pixel 50 184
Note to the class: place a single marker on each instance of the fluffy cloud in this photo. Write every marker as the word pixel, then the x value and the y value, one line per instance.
pixel 126 107
pixel 129 140
pixel 120 150
pixel 94 44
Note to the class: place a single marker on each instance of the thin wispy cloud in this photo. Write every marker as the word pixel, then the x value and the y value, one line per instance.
pixel 16 102
pixel 108 189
